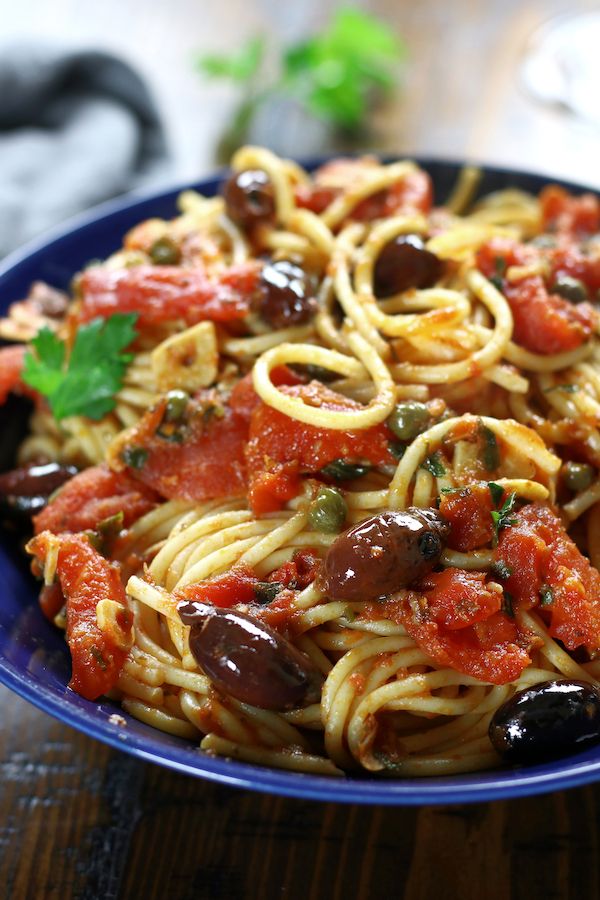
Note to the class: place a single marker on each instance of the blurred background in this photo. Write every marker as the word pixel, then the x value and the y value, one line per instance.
pixel 462 88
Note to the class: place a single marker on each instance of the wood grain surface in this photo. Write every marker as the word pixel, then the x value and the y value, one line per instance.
pixel 79 820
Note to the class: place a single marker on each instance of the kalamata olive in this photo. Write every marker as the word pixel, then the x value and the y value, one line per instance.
pixel 249 660
pixel 577 476
pixel 384 553
pixel 249 197
pixel 572 289
pixel 405 263
pixel 25 491
pixel 284 295
pixel 546 721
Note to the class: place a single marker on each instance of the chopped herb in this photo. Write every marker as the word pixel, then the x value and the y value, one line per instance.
pixel 502 518
pixel 546 595
pixel 434 465
pixel 342 470
pixel 567 388
pixel 266 591
pixel 98 657
pixel 134 457
pixel 451 490
pixel 501 570
pixel 491 453
pixel 85 381
pixel 499 272
pixel 169 431
pixel 497 492
pixel 507 605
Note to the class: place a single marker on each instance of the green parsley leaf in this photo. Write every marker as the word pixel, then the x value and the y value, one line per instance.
pixel 343 470
pixel 497 492
pixel 85 384
pixel 502 518
pixel 491 453
pixel 451 490
pixel 434 465
pixel 334 72
pixel 240 66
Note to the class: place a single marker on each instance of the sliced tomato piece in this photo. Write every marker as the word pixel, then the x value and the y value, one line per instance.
pixel 569 259
pixel 468 513
pixel 563 212
pixel 92 496
pixel 299 571
pixel 286 446
pixel 551 574
pixel 86 578
pixel 202 461
pixel 166 293
pixel 235 586
pixel 493 650
pixel 456 598
pixel 547 323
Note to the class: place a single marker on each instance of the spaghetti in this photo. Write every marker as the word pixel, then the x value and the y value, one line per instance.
pixel 317 356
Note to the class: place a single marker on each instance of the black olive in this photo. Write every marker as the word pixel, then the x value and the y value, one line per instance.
pixel 405 263
pixel 285 295
pixel 547 721
pixel 24 492
pixel 384 553
pixel 249 197
pixel 248 660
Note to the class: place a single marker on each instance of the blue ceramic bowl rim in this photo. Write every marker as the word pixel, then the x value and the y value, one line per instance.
pixel 94 719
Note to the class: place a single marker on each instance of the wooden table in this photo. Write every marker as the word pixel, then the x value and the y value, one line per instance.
pixel 79 820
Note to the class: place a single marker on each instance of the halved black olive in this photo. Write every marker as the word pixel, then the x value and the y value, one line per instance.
pixel 547 721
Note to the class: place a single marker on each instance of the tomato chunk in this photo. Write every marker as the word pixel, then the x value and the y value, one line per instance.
pixel 456 598
pixel 235 586
pixel 86 578
pixel 166 293
pixel 92 496
pixel 285 447
pixel 204 460
pixel 550 574
pixel 543 322
pixel 299 571
pixel 563 212
pixel 469 514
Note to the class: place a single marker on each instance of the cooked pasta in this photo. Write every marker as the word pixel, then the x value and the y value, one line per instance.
pixel 346 503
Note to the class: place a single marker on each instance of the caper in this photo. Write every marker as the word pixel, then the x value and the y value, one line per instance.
pixel 572 289
pixel 249 197
pixel 577 476
pixel 328 510
pixel 176 406
pixel 165 252
pixel 408 419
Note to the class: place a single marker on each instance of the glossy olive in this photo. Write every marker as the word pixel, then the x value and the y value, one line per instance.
pixel 386 552
pixel 328 510
pixel 408 419
pixel 25 491
pixel 285 295
pixel 405 263
pixel 546 721
pixel 570 288
pixel 249 660
pixel 577 476
pixel 249 197
pixel 165 252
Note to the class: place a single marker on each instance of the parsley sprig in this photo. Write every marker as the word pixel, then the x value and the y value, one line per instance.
pixel 333 74
pixel 83 382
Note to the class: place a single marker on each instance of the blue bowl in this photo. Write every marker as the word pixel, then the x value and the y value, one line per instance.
pixel 34 659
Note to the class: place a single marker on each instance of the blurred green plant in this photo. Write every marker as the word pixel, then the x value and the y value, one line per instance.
pixel 334 75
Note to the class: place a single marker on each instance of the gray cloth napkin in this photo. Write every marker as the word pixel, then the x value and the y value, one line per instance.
pixel 76 128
